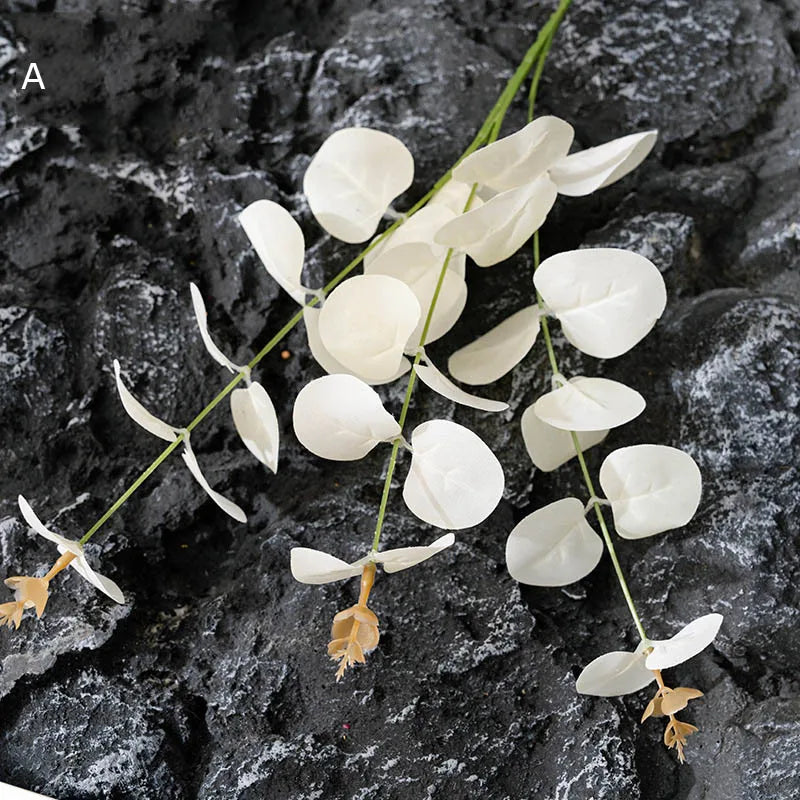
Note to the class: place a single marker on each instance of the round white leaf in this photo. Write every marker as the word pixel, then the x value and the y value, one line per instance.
pixel 202 323
pixel 551 447
pixel 685 644
pixel 589 404
pixel 615 674
pixel 228 506
pixel 519 158
pixel 606 299
pixel 652 488
pixel 8 792
pixel 256 423
pixel 497 352
pixel 279 242
pixel 553 546
pixel 496 230
pixel 353 178
pixel 341 418
pixel 366 323
pixel 139 414
pixel 584 172
pixel 314 566
pixel 455 481
pixel 405 557
pixel 435 380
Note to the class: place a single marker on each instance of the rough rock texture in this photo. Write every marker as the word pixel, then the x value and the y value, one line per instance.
pixel 120 183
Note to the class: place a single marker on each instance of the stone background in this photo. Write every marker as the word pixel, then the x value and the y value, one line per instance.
pixel 121 183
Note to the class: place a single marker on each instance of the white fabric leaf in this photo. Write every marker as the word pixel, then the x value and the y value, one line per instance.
pixel 615 674
pixel 519 158
pixel 256 423
pixel 652 488
pixel 9 792
pixel 553 546
pixel 341 418
pixel 327 361
pixel 228 506
pixel 687 643
pixel 589 404
pixel 551 447
pixel 455 481
pixel 588 170
pixel 435 380
pixel 140 415
pixel 606 299
pixel 497 352
pixel 352 180
pixel 404 557
pixel 316 567
pixel 279 242
pixel 202 323
pixel 454 195
pixel 366 323
pixel 497 229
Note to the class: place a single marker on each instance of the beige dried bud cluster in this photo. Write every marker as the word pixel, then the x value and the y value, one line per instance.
pixel 668 702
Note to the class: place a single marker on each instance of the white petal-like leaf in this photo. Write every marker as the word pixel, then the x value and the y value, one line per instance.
pixel 341 418
pixel 496 230
pixel 8 792
pixel 685 644
pixel 140 415
pixel 606 299
pixel 202 323
pixel 584 172
pixel 615 674
pixel 279 242
pixel 497 352
pixel 314 566
pixel 652 488
pixel 519 158
pixel 366 323
pixel 454 195
pixel 228 506
pixel 257 423
pixel 435 380
pixel 353 178
pixel 455 481
pixel 405 557
pixel 589 404
pixel 551 447
pixel 553 546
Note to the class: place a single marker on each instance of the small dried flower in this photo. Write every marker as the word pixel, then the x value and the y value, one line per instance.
pixel 666 703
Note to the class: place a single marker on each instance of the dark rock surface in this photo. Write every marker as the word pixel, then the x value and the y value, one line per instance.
pixel 120 184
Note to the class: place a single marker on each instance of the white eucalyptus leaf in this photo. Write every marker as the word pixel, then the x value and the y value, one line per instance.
pixel 435 380
pixel 352 180
pixel 588 170
pixel 340 418
pixel 687 643
pixel 615 674
pixel 497 352
pixel 455 481
pixel 606 299
pixel 652 488
pixel 228 506
pixel 454 195
pixel 589 404
pixel 140 415
pixel 366 323
pixel 256 423
pixel 316 567
pixel 497 229
pixel 202 323
pixel 553 546
pixel 519 158
pixel 405 557
pixel 9 792
pixel 279 242
pixel 551 447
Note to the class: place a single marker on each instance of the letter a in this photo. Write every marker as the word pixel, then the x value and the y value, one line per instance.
pixel 33 76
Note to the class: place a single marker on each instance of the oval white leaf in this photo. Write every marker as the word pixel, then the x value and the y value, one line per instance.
pixel 256 423
pixel 584 172
pixel 551 447
pixel 606 299
pixel 553 546
pixel 519 158
pixel 341 418
pixel 279 242
pixel 9 792
pixel 497 352
pixel 615 674
pixel 139 414
pixel 685 644
pixel 455 481
pixel 497 229
pixel 353 178
pixel 366 323
pixel 652 488
pixel 316 567
pixel 404 557
pixel 589 404
pixel 435 380
pixel 202 323
pixel 228 506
